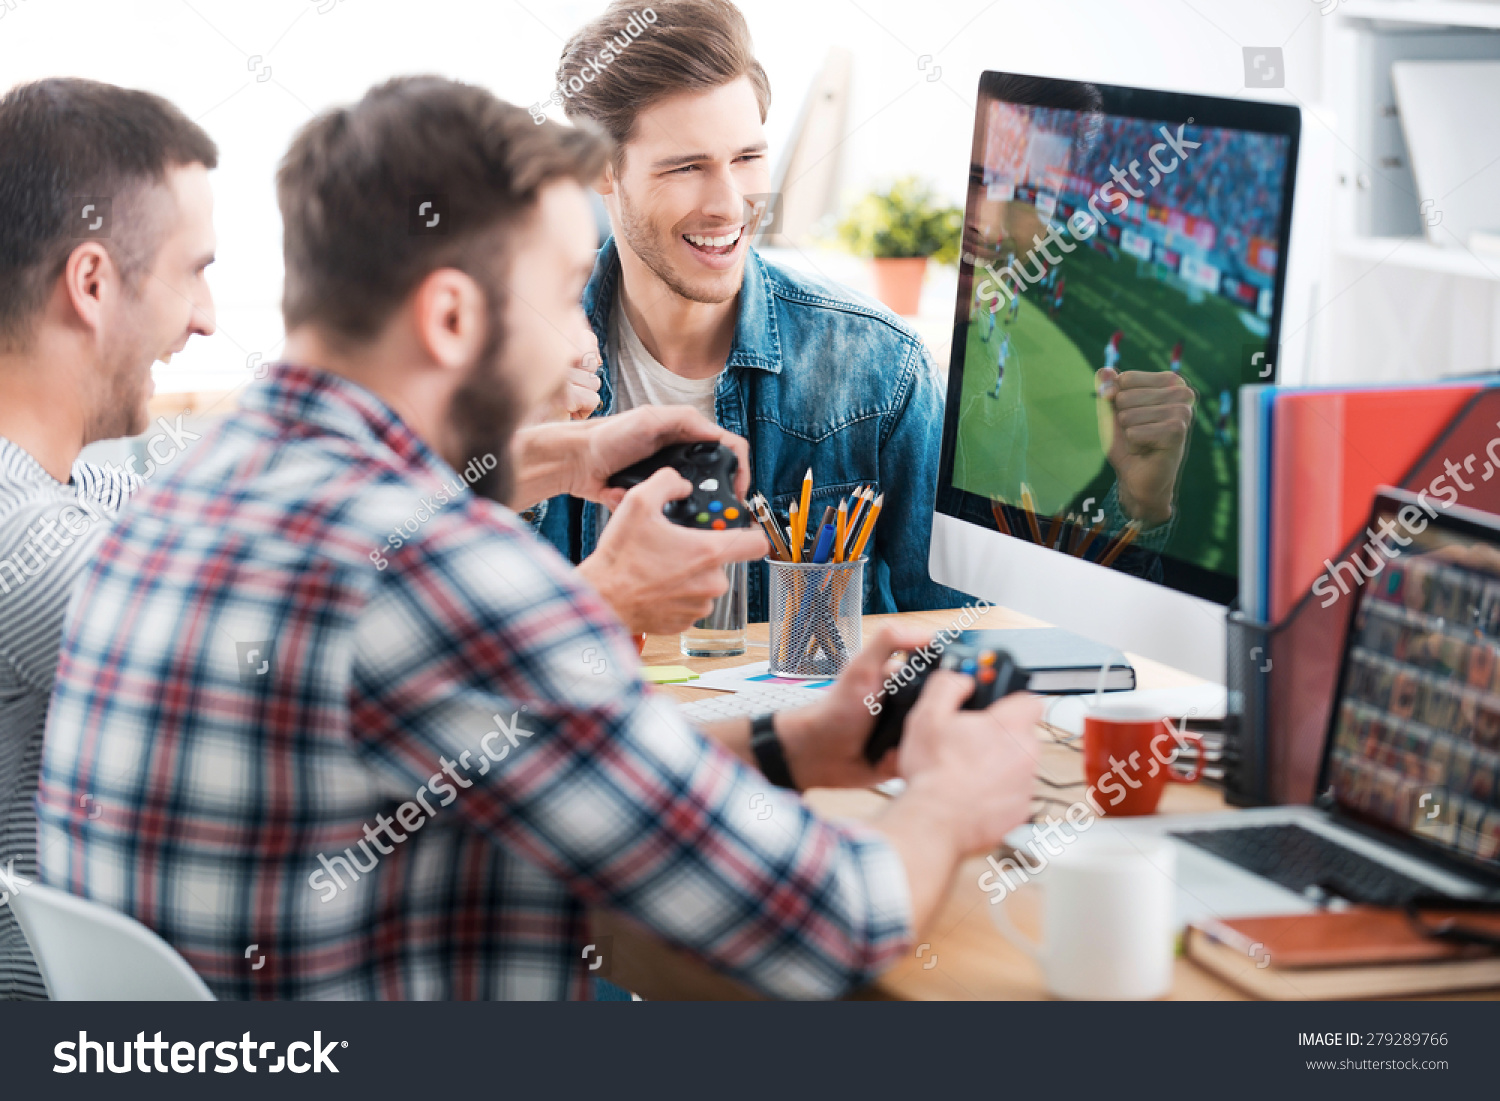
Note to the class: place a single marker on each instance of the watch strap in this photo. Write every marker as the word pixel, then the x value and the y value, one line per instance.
pixel 770 755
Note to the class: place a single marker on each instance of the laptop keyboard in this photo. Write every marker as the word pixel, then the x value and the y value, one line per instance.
pixel 1301 860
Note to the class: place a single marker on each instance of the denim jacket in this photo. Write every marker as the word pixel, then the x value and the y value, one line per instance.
pixel 817 377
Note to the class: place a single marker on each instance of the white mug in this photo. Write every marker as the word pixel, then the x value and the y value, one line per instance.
pixel 1108 930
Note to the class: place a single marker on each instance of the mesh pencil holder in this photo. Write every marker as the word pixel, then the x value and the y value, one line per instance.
pixel 815 616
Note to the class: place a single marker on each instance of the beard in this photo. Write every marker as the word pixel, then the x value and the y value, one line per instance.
pixel 646 244
pixel 124 393
pixel 485 412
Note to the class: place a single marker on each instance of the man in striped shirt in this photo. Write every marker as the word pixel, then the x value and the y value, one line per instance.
pixel 103 243
pixel 325 773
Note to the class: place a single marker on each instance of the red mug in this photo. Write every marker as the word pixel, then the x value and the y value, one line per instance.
pixel 1128 751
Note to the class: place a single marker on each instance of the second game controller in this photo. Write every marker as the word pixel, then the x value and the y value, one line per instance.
pixel 711 468
pixel 995 676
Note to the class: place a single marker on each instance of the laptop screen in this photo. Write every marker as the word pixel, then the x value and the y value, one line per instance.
pixel 1416 732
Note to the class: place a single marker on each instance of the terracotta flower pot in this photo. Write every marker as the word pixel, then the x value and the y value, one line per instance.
pixel 898 283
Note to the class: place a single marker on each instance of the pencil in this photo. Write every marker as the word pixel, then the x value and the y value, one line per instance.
pixel 1089 538
pixel 1028 504
pixel 1052 531
pixel 869 526
pixel 856 514
pixel 802 512
pixel 1132 529
pixel 840 528
pixel 1076 534
pixel 767 521
pixel 796 543
pixel 997 510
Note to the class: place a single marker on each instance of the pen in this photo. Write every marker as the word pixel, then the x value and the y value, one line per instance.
pixel 829 513
pixel 869 526
pixel 825 544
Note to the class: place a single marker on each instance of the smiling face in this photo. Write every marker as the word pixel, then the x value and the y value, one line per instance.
pixel 160 308
pixel 676 197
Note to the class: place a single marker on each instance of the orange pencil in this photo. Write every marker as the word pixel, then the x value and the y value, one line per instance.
pixel 796 547
pixel 997 510
pixel 840 525
pixel 869 526
pixel 1127 537
pixel 803 512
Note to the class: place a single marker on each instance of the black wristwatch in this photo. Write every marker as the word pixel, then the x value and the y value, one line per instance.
pixel 770 758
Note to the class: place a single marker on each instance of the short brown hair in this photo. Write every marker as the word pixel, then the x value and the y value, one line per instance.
pixel 691 45
pixel 65 141
pixel 352 184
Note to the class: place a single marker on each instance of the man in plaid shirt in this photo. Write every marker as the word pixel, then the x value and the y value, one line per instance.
pixel 347 729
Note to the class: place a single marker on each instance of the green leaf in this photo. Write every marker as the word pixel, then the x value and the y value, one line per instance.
pixel 905 220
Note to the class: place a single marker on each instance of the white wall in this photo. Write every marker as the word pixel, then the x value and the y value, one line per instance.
pixel 206 56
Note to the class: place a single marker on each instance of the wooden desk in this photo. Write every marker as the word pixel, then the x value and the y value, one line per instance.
pixel 965 957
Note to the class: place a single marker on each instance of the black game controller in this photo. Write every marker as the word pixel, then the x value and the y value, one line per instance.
pixel 710 468
pixel 995 676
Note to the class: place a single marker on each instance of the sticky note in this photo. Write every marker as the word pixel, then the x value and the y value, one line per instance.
pixel 667 674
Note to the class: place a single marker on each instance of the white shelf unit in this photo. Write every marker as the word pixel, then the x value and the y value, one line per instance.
pixel 1395 307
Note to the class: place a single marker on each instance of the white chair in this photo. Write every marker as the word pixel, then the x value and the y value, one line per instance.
pixel 89 953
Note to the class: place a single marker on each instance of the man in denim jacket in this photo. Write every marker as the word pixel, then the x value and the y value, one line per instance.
pixel 685 312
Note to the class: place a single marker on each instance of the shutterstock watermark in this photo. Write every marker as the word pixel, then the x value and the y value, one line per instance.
pixel 1411 519
pixel 589 71
pixel 409 815
pixel 430 506
pixel 47 539
pixel 919 659
pixel 1085 225
pixel 1081 815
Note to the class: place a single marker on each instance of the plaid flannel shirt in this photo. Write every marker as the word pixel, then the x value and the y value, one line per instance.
pixel 320 777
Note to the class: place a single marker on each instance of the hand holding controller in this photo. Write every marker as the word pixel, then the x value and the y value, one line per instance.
pixel 995 676
pixel 711 469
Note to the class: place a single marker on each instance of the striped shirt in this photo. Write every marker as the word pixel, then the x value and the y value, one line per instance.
pixel 48 534
pixel 350 731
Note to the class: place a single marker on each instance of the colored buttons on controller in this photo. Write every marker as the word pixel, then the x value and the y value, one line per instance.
pixel 702 517
pixel 731 514
pixel 967 666
pixel 986 675
pixel 719 525
pixel 715 506
pixel 987 658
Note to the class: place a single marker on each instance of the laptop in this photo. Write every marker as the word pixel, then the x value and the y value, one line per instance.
pixel 1408 795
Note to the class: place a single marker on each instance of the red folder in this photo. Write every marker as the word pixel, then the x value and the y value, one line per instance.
pixel 1330 450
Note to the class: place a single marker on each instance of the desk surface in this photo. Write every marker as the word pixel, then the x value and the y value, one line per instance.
pixel 965 958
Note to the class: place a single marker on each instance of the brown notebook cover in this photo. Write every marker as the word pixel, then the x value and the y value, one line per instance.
pixel 1362 952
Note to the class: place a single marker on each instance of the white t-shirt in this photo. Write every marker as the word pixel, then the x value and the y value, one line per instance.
pixel 638 379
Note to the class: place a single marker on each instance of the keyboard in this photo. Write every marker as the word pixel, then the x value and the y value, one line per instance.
pixel 748 703
pixel 1304 861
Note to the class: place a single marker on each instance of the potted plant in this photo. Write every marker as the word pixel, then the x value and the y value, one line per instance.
pixel 899 229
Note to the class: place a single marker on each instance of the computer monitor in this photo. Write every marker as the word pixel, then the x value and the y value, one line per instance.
pixel 1122 274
